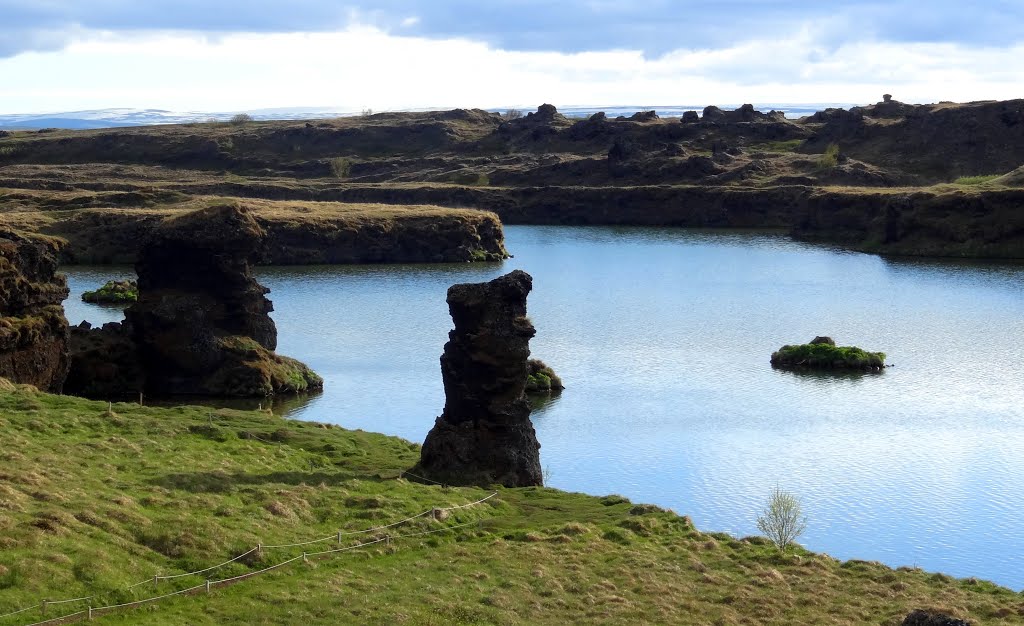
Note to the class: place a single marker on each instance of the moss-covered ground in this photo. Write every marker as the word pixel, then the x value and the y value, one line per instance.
pixel 827 356
pixel 97 497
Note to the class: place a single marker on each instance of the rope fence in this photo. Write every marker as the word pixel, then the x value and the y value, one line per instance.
pixel 91 611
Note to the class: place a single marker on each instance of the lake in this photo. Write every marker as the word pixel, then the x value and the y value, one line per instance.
pixel 662 337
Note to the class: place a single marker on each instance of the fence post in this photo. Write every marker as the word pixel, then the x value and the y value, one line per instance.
pixel 304 559
pixel 339 537
pixel 259 550
pixel 140 398
pixel 207 585
pixel 156 581
pixel 90 612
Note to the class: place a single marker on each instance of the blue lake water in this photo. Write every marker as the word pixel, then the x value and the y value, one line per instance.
pixel 662 337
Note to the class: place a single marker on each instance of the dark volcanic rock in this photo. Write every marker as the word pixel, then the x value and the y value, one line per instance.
pixel 925 618
pixel 623 149
pixel 825 340
pixel 690 117
pixel 33 329
pixel 202 322
pixel 104 362
pixel 713 113
pixel 644 116
pixel 485 435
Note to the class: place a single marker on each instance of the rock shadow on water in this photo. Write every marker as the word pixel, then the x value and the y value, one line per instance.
pixel 829 376
pixel 543 401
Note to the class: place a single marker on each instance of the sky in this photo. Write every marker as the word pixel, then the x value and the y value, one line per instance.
pixel 236 55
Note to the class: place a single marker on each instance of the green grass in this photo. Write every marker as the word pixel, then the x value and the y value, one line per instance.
pixel 976 180
pixel 93 500
pixel 830 158
pixel 826 356
pixel 789 145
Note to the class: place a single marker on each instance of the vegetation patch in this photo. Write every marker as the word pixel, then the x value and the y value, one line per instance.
pixel 542 378
pixel 824 355
pixel 976 180
pixel 830 158
pixel 114 292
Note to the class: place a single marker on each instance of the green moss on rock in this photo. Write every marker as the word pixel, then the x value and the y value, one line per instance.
pixel 823 354
pixel 114 292
pixel 542 378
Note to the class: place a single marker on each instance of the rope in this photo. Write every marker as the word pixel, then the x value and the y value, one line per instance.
pixel 251 574
pixel 358 545
pixel 429 480
pixel 154 599
pixel 57 620
pixel 297 545
pixel 466 506
pixel 208 569
pixel 210 583
pixel 7 615
pixel 68 601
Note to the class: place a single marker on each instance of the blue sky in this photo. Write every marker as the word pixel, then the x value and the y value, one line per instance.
pixel 246 54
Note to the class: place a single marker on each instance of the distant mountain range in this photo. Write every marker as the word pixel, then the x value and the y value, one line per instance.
pixel 113 118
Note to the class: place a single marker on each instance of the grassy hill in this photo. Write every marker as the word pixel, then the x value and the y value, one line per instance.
pixel 96 498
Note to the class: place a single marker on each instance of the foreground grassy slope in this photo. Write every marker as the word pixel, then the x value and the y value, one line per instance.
pixel 92 501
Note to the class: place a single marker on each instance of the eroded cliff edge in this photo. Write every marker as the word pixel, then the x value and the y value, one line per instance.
pixel 33 329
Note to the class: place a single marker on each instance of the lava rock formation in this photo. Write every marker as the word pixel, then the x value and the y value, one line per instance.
pixel 201 325
pixel 485 435
pixel 33 329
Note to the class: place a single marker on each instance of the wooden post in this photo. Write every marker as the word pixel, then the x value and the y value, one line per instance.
pixel 304 559
pixel 207 585
pixel 90 612
pixel 259 549
pixel 156 581
pixel 339 537
pixel 140 398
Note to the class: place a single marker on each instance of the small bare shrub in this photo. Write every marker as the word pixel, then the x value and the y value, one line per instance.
pixel 240 118
pixel 783 519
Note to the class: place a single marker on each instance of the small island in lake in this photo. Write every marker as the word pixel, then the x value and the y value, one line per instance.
pixel 113 292
pixel 822 353
pixel 542 378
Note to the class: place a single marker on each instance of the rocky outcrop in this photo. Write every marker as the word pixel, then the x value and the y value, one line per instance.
pixel 202 321
pixel 33 329
pixel 926 618
pixel 104 362
pixel 485 435
pixel 201 325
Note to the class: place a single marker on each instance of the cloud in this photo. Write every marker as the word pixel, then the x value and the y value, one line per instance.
pixel 368 67
pixel 654 27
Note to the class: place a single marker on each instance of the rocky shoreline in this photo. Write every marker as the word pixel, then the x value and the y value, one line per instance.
pixel 859 178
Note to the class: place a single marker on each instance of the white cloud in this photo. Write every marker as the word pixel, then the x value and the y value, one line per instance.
pixel 365 67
